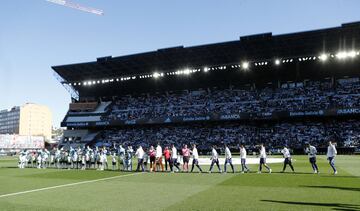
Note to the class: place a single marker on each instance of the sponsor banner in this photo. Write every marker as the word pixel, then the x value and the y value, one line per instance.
pixel 102 123
pixel 306 113
pixel 196 118
pixel 21 142
pixel 230 117
pixel 217 117
pixel 76 124
pixel 348 111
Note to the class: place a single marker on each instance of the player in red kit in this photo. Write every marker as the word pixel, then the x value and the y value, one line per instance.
pixel 167 156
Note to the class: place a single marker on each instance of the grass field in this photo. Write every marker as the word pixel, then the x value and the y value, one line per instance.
pixel 107 190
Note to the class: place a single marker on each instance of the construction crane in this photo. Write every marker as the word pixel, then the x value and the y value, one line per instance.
pixel 77 6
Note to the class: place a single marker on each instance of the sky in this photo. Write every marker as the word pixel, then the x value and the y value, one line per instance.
pixel 36 34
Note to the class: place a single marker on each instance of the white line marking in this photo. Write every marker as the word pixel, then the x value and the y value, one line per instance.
pixel 67 185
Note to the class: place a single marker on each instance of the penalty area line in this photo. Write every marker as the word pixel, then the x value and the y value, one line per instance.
pixel 67 185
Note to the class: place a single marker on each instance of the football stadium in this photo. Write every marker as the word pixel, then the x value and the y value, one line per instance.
pixel 264 122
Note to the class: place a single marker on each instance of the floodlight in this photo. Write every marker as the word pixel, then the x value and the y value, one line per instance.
pixel 341 55
pixel 323 57
pixel 245 65
pixel 351 54
pixel 156 75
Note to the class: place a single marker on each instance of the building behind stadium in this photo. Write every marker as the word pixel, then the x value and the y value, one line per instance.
pixel 101 91
pixel 26 126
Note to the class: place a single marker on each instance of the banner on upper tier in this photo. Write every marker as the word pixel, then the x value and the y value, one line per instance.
pixel 218 117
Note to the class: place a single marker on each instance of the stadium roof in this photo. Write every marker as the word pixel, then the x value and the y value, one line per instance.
pixel 250 48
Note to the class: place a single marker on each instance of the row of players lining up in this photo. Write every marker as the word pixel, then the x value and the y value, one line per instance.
pixel 97 158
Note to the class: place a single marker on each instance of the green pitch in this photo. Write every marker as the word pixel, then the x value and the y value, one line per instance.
pixel 107 190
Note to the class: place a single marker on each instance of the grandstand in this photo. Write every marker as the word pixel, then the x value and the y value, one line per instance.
pixel 278 89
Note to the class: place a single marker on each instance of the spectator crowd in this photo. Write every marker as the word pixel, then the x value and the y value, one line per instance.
pixel 299 96
pixel 291 134
pixel 292 97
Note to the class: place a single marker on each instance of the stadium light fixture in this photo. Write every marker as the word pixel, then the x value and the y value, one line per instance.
pixel 341 55
pixel 186 72
pixel 277 62
pixel 156 75
pixel 245 65
pixel 351 54
pixel 323 57
pixel 344 54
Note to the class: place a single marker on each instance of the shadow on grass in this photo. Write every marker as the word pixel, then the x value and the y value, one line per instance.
pixel 335 206
pixel 299 173
pixel 116 170
pixel 332 187
pixel 9 167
